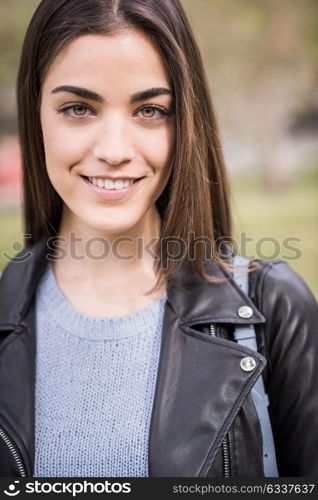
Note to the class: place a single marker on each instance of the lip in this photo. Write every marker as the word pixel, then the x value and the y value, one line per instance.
pixel 112 178
pixel 112 194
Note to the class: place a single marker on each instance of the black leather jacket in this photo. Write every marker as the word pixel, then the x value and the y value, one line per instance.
pixel 202 409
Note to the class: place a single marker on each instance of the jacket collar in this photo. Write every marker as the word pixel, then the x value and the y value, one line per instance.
pixel 18 284
pixel 198 302
pixel 193 299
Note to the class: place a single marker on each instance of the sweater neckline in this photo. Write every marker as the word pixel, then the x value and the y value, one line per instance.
pixel 52 301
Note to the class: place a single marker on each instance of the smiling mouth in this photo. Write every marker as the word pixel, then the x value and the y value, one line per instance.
pixel 90 179
pixel 109 184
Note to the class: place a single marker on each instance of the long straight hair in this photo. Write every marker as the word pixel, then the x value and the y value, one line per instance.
pixel 194 206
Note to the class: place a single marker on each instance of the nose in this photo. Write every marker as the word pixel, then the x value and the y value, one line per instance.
pixel 113 144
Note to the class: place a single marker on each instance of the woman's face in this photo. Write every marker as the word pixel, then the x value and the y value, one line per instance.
pixel 107 119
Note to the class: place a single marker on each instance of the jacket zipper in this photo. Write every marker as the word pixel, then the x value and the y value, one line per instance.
pixel 14 452
pixel 226 457
pixel 225 443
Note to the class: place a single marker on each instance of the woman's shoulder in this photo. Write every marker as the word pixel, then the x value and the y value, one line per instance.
pixel 275 280
pixel 278 279
pixel 284 298
pixel 289 339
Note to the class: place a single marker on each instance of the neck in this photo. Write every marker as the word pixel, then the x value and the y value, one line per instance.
pixel 93 253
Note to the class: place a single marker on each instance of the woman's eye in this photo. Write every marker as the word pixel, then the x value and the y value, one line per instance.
pixel 153 112
pixel 79 110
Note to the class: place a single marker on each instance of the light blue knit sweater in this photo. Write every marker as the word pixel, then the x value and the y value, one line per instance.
pixel 95 383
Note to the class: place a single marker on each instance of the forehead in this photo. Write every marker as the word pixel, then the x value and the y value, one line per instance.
pixel 121 62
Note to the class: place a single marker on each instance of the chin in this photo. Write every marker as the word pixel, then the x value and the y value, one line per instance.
pixel 114 228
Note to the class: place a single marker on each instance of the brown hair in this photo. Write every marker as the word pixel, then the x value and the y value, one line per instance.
pixel 195 202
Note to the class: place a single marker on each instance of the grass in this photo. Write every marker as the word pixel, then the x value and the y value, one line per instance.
pixel 257 213
pixel 276 221
pixel 11 235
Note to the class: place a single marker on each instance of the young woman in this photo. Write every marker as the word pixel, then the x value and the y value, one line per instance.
pixel 107 362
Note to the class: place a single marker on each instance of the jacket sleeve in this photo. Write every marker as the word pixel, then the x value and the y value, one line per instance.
pixel 291 340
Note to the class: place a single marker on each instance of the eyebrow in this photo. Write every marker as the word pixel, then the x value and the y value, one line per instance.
pixel 89 94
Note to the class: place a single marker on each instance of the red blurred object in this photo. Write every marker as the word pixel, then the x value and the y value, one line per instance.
pixel 10 173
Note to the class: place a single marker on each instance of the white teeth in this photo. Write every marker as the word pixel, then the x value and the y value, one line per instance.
pixel 109 184
pixel 119 184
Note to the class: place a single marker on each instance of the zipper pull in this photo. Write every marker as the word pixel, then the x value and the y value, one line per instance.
pixel 213 330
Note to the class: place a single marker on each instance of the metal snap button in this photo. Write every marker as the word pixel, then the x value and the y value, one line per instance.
pixel 245 312
pixel 248 364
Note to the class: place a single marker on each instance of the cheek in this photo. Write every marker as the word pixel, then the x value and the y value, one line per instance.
pixel 157 149
pixel 62 148
pixel 62 152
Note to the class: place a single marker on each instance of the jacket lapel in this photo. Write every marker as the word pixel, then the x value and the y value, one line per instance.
pixel 200 385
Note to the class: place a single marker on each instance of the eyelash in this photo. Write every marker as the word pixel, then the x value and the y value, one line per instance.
pixel 67 109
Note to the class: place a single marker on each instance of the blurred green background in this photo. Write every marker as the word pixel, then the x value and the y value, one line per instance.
pixel 261 59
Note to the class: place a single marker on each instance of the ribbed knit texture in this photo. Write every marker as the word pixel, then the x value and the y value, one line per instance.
pixel 95 383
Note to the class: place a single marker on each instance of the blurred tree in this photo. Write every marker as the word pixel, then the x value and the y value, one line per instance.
pixel 14 17
pixel 262 62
